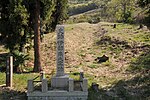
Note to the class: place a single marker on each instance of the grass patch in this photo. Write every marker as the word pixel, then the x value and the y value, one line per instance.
pixel 93 66
pixel 118 44
pixel 2 78
pixel 19 80
pixel 142 37
pixel 141 63
pixel 75 75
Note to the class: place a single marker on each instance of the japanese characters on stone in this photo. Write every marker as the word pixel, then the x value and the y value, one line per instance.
pixel 60 49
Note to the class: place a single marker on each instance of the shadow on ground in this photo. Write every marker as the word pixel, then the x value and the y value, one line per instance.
pixel 137 88
pixel 9 94
pixel 141 63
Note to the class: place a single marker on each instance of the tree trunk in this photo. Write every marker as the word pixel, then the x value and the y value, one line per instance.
pixel 124 12
pixel 37 56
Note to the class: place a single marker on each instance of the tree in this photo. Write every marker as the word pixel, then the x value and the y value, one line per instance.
pixel 102 4
pixel 22 19
pixel 145 4
pixel 13 23
pixel 121 9
pixel 14 31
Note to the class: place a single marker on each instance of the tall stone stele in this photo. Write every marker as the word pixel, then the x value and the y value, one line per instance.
pixel 62 87
pixel 60 80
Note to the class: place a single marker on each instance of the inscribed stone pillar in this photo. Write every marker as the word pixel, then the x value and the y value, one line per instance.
pixel 61 79
pixel 60 50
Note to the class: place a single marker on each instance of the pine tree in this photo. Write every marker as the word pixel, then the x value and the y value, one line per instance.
pixel 20 19
pixel 13 24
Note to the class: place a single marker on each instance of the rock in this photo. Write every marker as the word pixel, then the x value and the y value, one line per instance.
pixel 104 58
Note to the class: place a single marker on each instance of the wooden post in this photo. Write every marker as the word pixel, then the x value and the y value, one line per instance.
pixel 9 71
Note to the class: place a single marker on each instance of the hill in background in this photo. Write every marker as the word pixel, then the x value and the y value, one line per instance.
pixel 124 75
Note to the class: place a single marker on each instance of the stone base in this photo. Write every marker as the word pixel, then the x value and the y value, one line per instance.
pixel 60 81
pixel 58 95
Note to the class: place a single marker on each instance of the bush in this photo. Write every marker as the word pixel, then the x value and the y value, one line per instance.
pixel 19 60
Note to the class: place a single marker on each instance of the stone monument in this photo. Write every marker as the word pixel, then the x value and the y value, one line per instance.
pixel 62 87
pixel 61 79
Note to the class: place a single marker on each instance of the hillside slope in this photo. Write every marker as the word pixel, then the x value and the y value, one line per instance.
pixel 124 75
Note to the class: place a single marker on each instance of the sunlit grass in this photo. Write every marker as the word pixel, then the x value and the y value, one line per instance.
pixel 19 80
pixel 2 78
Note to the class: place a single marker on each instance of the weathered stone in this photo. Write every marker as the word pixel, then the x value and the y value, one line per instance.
pixel 60 50
pixel 30 85
pixel 44 85
pixel 71 85
pixel 58 95
pixel 81 76
pixel 60 81
pixel 85 85
pixel 62 87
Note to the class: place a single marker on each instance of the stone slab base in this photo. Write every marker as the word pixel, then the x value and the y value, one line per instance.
pixel 59 81
pixel 58 95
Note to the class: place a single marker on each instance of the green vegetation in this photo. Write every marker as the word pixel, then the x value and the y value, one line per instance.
pixel 81 8
pixel 124 76
pixel 78 1
pixel 128 11
pixel 2 78
pixel 141 63
pixel 19 80
pixel 22 21
pixel 91 17
pixel 19 86
pixel 126 71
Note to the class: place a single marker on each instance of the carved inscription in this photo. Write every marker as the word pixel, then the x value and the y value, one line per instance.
pixel 60 49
